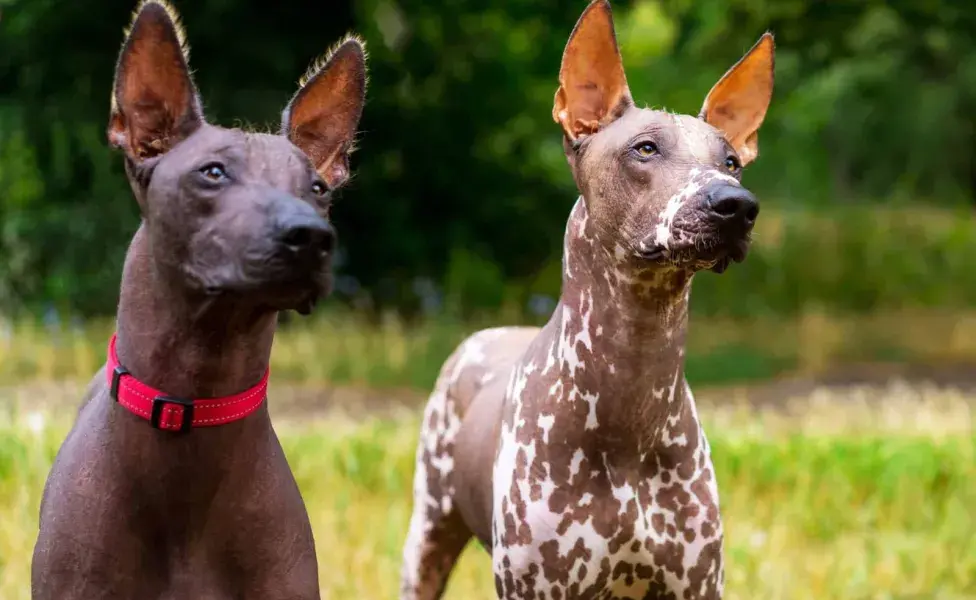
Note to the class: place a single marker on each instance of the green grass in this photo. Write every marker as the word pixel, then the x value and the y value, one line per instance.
pixel 837 498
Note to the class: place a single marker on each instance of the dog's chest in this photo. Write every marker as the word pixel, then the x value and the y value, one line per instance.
pixel 578 523
pixel 627 534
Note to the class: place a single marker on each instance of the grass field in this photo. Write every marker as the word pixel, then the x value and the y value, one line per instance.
pixel 835 495
pixel 339 347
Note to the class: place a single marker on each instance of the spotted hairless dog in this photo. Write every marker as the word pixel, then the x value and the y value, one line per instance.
pixel 172 483
pixel 574 452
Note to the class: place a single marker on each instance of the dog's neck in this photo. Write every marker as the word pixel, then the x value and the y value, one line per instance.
pixel 622 328
pixel 184 346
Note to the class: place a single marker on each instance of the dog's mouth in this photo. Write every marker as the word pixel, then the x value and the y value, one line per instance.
pixel 303 293
pixel 736 253
pixel 700 253
pixel 656 253
pixel 279 287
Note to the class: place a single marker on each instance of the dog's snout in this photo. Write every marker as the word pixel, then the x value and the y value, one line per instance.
pixel 303 234
pixel 732 203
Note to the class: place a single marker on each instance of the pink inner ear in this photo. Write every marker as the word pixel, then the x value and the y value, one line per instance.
pixel 323 116
pixel 737 104
pixel 593 87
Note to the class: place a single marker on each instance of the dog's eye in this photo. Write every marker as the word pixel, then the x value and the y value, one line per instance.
pixel 319 189
pixel 214 172
pixel 645 149
pixel 732 164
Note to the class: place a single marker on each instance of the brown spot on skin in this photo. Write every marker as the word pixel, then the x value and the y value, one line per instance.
pixel 657 520
pixel 557 567
pixel 670 555
pixel 700 489
pixel 624 570
pixel 673 497
pixel 685 515
pixel 706 570
pixel 707 530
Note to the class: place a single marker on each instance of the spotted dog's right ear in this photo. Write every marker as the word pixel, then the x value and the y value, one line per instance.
pixel 593 89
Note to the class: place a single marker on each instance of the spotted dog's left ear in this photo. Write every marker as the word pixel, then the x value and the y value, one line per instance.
pixel 322 117
pixel 737 104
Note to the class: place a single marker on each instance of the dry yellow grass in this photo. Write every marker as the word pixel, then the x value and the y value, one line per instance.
pixel 337 347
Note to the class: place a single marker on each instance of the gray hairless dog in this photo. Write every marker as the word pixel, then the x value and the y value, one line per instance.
pixel 172 483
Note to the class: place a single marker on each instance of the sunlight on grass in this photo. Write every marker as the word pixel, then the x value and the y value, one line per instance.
pixel 835 498
pixel 340 347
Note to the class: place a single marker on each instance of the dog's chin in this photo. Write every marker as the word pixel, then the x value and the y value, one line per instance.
pixel 303 299
pixel 279 293
pixel 306 305
pixel 736 252
pixel 710 255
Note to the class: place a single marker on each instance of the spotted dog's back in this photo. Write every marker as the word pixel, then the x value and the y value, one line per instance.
pixel 458 436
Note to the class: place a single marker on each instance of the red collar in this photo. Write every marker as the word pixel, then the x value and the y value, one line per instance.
pixel 178 414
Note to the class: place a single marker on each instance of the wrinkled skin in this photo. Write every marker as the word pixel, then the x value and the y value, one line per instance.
pixel 234 228
pixel 573 453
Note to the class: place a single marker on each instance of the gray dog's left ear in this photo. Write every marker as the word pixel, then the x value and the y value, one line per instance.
pixel 323 116
pixel 737 104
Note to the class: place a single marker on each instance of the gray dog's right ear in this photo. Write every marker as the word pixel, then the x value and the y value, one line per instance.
pixel 155 104
pixel 322 117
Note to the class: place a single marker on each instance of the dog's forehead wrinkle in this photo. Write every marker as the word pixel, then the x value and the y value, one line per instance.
pixel 277 161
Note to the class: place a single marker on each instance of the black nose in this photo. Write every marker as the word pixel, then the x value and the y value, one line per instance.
pixel 732 204
pixel 307 234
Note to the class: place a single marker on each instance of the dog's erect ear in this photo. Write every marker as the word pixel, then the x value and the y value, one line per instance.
pixel 592 85
pixel 323 116
pixel 155 104
pixel 737 104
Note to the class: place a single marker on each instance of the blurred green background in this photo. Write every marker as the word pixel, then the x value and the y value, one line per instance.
pixel 867 168
pixel 861 271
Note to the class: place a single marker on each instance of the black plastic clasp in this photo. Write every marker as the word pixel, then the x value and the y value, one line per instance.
pixel 116 376
pixel 159 403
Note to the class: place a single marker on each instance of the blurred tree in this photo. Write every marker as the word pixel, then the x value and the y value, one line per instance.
pixel 460 178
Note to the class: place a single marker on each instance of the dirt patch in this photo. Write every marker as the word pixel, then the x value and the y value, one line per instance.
pixel 778 392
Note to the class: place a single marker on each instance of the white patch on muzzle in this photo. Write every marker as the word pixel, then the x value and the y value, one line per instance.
pixel 697 179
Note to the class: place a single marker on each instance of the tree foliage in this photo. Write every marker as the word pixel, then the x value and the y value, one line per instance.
pixel 460 177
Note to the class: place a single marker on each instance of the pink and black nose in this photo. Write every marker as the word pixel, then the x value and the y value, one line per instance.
pixel 733 208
